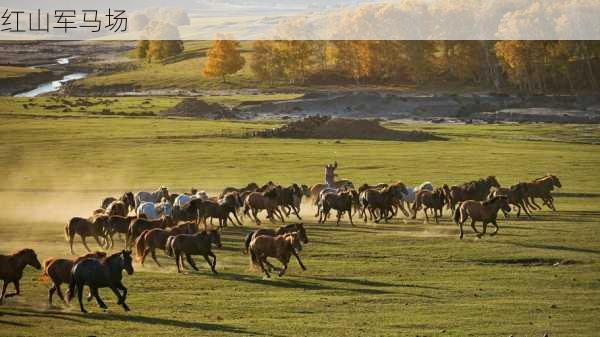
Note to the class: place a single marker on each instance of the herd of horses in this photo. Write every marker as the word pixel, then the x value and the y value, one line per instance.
pixel 170 222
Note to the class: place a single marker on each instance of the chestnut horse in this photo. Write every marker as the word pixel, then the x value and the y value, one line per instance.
pixel 473 190
pixel 95 227
pixel 59 271
pixel 340 201
pixel 484 211
pixel 11 269
pixel 281 247
pixel 541 188
pixel 151 239
pixel 137 226
pixel 295 227
pixel 268 200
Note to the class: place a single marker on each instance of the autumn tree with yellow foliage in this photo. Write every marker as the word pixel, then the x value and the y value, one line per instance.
pixel 224 58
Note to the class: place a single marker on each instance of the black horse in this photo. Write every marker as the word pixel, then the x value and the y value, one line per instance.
pixel 101 274
pixel 193 244
pixel 294 227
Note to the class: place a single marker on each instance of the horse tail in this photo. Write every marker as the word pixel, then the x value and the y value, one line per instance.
pixel 457 212
pixel 169 246
pixel 67 233
pixel 71 290
pixel 247 242
pixel 253 259
pixel 45 278
pixel 140 244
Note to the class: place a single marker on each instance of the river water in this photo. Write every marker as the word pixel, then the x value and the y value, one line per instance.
pixel 53 85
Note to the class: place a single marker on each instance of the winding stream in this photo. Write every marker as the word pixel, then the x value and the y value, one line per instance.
pixel 53 85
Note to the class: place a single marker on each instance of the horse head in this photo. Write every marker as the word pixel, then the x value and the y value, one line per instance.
pixel 492 181
pixel 29 257
pixel 302 232
pixel 126 261
pixel 293 240
pixel 556 181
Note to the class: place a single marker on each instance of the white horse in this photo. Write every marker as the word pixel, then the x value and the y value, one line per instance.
pixel 411 192
pixel 154 211
pixel 151 196
pixel 184 199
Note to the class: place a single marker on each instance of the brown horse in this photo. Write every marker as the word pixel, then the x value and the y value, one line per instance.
pixel 268 200
pixel 11 269
pixel 291 198
pixel 137 226
pixel 251 187
pixel 291 228
pixel 315 190
pixel 59 271
pixel 196 244
pixel 281 247
pixel 117 207
pixel 118 224
pixel 484 211
pixel 541 188
pixel 516 195
pixel 340 201
pixel 473 190
pixel 151 239
pixel 219 209
pixel 381 200
pixel 95 227
pixel 430 200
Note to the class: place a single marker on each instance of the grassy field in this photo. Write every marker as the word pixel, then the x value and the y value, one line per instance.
pixel 404 278
pixel 11 72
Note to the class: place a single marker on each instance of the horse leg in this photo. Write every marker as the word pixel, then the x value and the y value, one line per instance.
pixel 484 229
pixel 153 254
pixel 350 217
pixel 123 296
pixel 59 293
pixel 497 228
pixel 85 243
pixel 50 293
pixel 282 271
pixel 17 290
pixel 80 297
pixel 296 211
pixel 339 216
pixel 526 210
pixel 237 219
pixel 98 242
pixel 254 214
pixel 96 295
pixel 262 266
pixel 177 262
pixel 211 264
pixel 535 204
pixel 298 258
pixel 4 285
pixel 71 237
pixel 426 215
pixel 188 257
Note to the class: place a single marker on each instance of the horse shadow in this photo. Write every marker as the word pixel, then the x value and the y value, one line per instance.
pixel 552 247
pixel 294 284
pixel 129 318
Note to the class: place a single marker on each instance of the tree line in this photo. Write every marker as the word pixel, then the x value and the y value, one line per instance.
pixel 530 66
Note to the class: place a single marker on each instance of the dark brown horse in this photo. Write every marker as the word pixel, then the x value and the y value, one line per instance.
pixel 117 207
pixel 516 195
pixel 118 224
pixel 291 228
pixel 151 239
pixel 381 200
pixel 251 187
pixel 11 269
pixel 281 247
pixel 484 211
pixel 291 198
pixel 95 273
pixel 340 201
pixel 221 209
pixel 95 227
pixel 430 200
pixel 137 226
pixel 473 190
pixel 196 244
pixel 59 271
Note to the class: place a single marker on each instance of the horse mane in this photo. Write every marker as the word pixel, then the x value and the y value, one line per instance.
pixel 22 251
pixel 493 200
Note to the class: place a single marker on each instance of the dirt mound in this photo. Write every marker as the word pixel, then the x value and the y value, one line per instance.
pixel 192 107
pixel 344 128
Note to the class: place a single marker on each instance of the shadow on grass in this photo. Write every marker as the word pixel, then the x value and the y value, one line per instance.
pixel 275 281
pixel 129 318
pixel 552 247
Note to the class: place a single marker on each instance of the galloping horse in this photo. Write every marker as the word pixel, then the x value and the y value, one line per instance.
pixel 434 200
pixel 11 269
pixel 268 200
pixel 155 196
pixel 95 227
pixel 281 247
pixel 151 239
pixel 541 188
pixel 484 211
pixel 294 227
pixel 153 211
pixel 474 190
pixel 101 274
pixel 196 244
pixel 59 271
pixel 340 201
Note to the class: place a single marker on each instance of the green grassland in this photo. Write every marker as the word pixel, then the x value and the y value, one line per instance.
pixel 12 72
pixel 405 278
